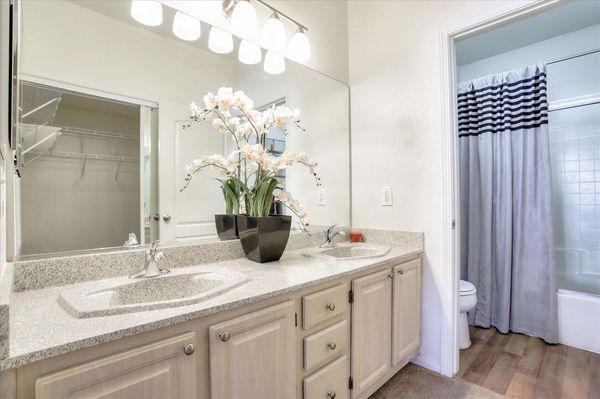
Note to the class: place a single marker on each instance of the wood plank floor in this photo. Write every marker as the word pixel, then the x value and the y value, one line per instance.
pixel 523 367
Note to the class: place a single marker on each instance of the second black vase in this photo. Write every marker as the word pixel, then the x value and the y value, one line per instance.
pixel 264 238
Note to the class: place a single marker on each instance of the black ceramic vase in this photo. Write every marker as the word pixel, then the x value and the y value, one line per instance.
pixel 264 238
pixel 226 227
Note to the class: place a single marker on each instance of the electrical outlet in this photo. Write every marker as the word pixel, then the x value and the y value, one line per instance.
pixel 320 197
pixel 387 196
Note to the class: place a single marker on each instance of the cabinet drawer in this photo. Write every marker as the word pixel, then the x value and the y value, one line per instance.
pixel 329 382
pixel 325 345
pixel 323 305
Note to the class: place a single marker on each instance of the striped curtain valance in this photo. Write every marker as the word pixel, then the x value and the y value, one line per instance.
pixel 506 102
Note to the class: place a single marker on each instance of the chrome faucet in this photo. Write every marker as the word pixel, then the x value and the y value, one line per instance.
pixel 330 235
pixel 132 241
pixel 151 266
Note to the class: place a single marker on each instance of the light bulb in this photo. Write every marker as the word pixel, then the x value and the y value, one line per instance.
pixel 274 63
pixel 299 47
pixel 243 19
pixel 186 27
pixel 249 53
pixel 273 34
pixel 219 41
pixel 147 12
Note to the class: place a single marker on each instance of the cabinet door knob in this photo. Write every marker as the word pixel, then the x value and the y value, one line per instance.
pixel 332 345
pixel 401 271
pixel 189 349
pixel 391 276
pixel 331 306
pixel 224 335
pixel 166 217
pixel 331 395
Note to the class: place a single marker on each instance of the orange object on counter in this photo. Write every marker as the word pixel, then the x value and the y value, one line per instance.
pixel 355 236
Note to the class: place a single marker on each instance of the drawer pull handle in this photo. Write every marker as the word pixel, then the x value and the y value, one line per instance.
pixel 224 335
pixel 331 395
pixel 401 271
pixel 331 306
pixel 189 349
pixel 332 345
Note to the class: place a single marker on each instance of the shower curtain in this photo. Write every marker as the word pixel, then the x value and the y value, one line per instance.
pixel 505 188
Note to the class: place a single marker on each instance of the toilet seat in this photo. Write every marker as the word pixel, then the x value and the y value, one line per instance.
pixel 466 288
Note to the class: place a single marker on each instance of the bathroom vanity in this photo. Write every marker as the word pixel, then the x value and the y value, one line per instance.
pixel 304 327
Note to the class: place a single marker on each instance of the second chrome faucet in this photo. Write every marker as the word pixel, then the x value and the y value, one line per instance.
pixel 151 263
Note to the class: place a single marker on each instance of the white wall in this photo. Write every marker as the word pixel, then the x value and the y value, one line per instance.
pixel 394 66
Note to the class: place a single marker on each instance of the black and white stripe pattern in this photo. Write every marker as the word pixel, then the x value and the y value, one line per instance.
pixel 503 107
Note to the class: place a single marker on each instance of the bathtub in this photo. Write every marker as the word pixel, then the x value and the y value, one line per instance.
pixel 579 320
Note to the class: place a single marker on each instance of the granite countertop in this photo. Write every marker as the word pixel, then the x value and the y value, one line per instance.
pixel 40 328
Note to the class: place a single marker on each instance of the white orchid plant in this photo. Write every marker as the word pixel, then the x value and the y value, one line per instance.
pixel 249 184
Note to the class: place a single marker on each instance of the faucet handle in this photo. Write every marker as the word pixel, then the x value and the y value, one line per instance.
pixel 153 246
pixel 329 230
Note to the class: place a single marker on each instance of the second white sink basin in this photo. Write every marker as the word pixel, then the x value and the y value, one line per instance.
pixel 124 295
pixel 351 251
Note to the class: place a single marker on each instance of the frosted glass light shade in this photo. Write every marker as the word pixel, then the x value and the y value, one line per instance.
pixel 243 19
pixel 273 34
pixel 219 41
pixel 249 53
pixel 299 47
pixel 186 27
pixel 147 12
pixel 274 63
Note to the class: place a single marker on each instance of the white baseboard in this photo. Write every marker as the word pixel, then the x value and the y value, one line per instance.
pixel 428 362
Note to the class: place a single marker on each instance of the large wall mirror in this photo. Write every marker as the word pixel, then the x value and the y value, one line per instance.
pixel 101 148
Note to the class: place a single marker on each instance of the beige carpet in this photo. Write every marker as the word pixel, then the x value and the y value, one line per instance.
pixel 415 382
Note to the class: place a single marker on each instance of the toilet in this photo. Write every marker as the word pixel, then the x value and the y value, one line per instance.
pixel 467 300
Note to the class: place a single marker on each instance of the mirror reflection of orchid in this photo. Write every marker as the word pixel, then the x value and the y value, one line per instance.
pixel 249 184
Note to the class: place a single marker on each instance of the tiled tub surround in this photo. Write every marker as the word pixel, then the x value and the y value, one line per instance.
pixel 40 328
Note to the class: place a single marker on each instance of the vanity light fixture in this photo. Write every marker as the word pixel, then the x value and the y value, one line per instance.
pixel 273 34
pixel 219 41
pixel 243 19
pixel 249 53
pixel 299 46
pixel 147 12
pixel 274 63
pixel 186 27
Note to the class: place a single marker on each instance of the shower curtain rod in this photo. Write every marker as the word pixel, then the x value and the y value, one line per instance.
pixel 570 57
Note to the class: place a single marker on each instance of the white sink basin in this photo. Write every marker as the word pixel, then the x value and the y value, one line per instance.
pixel 124 295
pixel 351 251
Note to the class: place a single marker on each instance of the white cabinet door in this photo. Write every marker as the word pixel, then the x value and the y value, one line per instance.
pixel 371 329
pixel 253 356
pixel 191 211
pixel 161 370
pixel 407 309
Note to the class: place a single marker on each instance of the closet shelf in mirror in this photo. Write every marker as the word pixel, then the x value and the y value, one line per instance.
pixel 86 156
pixel 97 133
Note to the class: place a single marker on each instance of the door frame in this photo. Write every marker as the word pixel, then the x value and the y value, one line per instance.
pixel 451 199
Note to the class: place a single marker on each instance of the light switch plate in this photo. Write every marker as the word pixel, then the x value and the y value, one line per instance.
pixel 387 196
pixel 321 197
